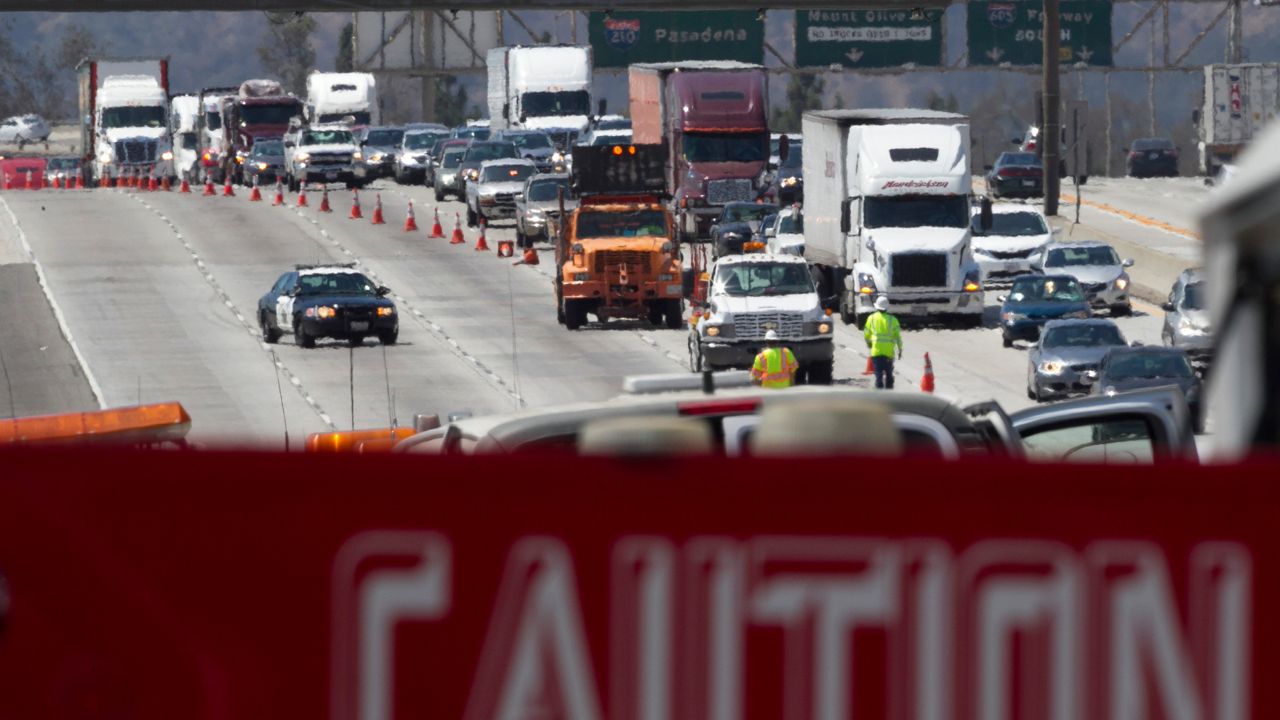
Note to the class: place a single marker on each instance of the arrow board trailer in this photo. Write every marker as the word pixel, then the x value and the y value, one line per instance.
pixel 887 198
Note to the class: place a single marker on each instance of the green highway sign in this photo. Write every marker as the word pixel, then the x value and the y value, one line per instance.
pixel 1011 32
pixel 869 38
pixel 619 39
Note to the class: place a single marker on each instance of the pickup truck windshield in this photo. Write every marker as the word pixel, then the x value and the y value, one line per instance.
pixel 726 147
pixel 452 159
pixel 384 138
pixel 910 211
pixel 131 117
pixel 336 284
pixel 1193 296
pixel 548 190
pixel 543 104
pixel 326 137
pixel 759 278
pixel 268 114
pixel 640 223
pixel 507 173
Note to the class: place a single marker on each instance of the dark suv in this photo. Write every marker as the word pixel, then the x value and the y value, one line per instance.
pixel 1152 157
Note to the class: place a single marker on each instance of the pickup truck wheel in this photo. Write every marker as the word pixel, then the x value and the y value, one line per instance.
pixel 821 373
pixel 674 314
pixel 440 195
pixel 1006 341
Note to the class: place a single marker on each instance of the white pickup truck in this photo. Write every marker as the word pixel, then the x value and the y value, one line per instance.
pixel 323 154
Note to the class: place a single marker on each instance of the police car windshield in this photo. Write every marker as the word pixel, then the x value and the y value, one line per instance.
pixel 336 284
pixel 640 223
pixel 762 278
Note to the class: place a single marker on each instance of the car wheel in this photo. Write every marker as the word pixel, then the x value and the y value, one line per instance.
pixel 439 195
pixel 821 373
pixel 1006 340
pixel 270 335
pixel 301 337
pixel 1121 310
pixel 389 337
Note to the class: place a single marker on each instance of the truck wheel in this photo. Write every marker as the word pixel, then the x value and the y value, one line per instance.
pixel 821 373
pixel 655 313
pixel 674 314
pixel 575 314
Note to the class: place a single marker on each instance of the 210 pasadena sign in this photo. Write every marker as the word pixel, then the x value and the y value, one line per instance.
pixel 1071 633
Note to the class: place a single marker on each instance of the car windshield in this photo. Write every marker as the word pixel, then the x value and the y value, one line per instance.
pixel 384 138
pixel 508 173
pixel 725 147
pixel 1193 298
pixel 336 284
pixel 909 211
pixel 760 278
pixel 131 117
pixel 543 104
pixel 1152 144
pixel 530 141
pixel 358 118
pixel 473 133
pixel 1045 290
pixel 1082 335
pixel 1013 224
pixel 1067 257
pixel 747 212
pixel 638 223
pixel 269 114
pixel 1025 159
pixel 212 120
pixel 268 147
pixel 490 151
pixel 452 159
pixel 793 223
pixel 326 137
pixel 547 190
pixel 190 141
pixel 1148 365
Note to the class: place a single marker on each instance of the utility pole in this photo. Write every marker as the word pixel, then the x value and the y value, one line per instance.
pixel 1051 133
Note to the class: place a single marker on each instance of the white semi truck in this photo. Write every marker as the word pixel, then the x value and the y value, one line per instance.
pixel 887 212
pixel 331 97
pixel 124 110
pixel 1238 102
pixel 541 87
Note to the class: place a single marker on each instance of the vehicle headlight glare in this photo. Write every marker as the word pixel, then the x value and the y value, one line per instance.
pixel 262 166
pixel 166 155
pixel 788 181
pixel 713 331
pixel 386 311
pixel 302 156
pixel 1049 367
pixel 357 155
pixel 325 312
pixel 824 328
pixel 1122 283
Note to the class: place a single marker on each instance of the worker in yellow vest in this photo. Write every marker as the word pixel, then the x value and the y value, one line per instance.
pixel 884 337
pixel 775 366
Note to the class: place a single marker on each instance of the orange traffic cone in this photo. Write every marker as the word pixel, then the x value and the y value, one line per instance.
pixel 164 184
pixel 104 181
pixel 377 210
pixel 208 187
pixel 355 206
pixel 457 238
pixel 226 187
pixel 185 187
pixel 57 182
pixel 926 382
pixel 123 182
pixel 324 200
pixel 152 184
pixel 436 230
pixel 135 180
pixel 410 223
pixel 278 200
pixel 256 194
pixel 871 367
pixel 80 181
pixel 302 195
pixel 530 257
pixel 481 243
pixel 506 248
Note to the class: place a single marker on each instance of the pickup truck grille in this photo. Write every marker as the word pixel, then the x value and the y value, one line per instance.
pixel 918 269
pixel 720 192
pixel 634 260
pixel 322 159
pixel 135 151
pixel 753 326
pixel 508 199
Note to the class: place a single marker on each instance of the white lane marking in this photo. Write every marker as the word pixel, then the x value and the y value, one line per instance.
pixel 57 310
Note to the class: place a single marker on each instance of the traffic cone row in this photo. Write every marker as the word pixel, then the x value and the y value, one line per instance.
pixel 457 238
pixel 302 195
pixel 226 187
pixel 481 244
pixel 278 200
pixel 436 230
pixel 506 248
pixel 208 187
pixel 185 187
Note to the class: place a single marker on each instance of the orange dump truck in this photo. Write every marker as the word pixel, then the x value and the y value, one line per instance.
pixel 616 254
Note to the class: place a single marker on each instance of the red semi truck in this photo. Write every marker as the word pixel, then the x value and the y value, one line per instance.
pixel 261 108
pixel 713 117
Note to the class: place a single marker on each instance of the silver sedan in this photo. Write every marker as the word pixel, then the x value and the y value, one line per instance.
pixel 1064 361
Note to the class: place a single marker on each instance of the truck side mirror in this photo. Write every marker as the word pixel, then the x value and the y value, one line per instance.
pixel 846 225
pixel 987 218
pixel 784 149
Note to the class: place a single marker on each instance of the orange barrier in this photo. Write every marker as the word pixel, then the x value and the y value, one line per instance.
pixel 137 425
pixel 357 440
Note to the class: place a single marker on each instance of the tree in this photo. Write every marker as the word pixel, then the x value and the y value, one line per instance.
pixel 804 92
pixel 286 50
pixel 345 62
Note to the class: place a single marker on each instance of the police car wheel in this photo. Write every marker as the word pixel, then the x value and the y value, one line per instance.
pixel 301 337
pixel 389 337
pixel 270 334
pixel 355 340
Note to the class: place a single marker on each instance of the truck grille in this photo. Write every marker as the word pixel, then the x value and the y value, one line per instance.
pixel 918 270
pixel 755 325
pixel 635 260
pixel 720 192
pixel 135 151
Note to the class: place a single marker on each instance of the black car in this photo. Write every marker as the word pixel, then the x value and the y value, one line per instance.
pixel 265 161
pixel 1135 368
pixel 380 145
pixel 1035 300
pixel 479 151
pixel 1016 174
pixel 334 301
pixel 788 179
pixel 735 226
pixel 1152 157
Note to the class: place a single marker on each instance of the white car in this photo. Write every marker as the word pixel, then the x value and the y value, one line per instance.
pixel 1098 269
pixel 786 235
pixel 493 193
pixel 23 129
pixel 1014 243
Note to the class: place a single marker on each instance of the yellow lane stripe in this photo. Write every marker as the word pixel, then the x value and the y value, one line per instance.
pixel 1140 219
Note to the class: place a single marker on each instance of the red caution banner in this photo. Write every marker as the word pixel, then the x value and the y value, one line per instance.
pixel 178 584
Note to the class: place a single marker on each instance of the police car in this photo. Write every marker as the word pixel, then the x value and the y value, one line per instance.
pixel 327 301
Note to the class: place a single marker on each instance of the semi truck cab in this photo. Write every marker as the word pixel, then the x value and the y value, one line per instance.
pixel 260 108
pixel 131 122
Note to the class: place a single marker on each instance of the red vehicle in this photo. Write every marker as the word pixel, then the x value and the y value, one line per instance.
pixel 260 109
pixel 713 118
pixel 18 173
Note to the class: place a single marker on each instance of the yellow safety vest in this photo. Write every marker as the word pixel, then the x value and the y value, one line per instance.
pixel 774 367
pixel 883 334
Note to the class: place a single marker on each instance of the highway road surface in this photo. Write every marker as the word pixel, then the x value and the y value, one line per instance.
pixel 158 293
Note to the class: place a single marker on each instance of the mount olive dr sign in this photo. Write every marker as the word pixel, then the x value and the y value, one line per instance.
pixel 619 39
pixel 1012 32
pixel 858 38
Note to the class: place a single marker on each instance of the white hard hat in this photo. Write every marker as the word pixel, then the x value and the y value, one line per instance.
pixel 882 303
pixel 771 335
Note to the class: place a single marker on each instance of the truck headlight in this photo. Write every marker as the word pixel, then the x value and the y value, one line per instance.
pixel 302 156
pixel 713 331
pixel 375 158
pixel 824 328
pixel 971 284
pixel 104 157
pixel 557 156
pixel 866 284
pixel 166 155
pixel 357 155
pixel 789 181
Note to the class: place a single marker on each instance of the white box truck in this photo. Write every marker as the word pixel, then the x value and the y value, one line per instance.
pixel 331 97
pixel 887 212
pixel 541 87
pixel 1238 101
